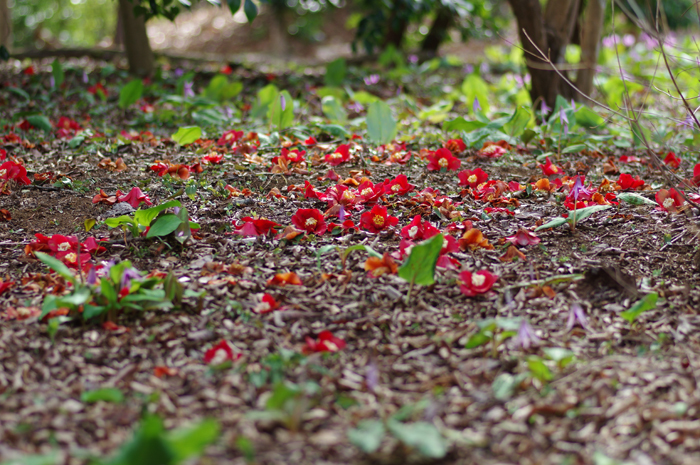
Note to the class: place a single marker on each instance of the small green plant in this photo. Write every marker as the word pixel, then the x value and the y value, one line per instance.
pixel 495 331
pixel 154 224
pixel 288 403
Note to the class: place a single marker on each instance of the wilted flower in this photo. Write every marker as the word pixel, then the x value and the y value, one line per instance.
pixel 135 197
pixel 549 168
pixel 220 353
pixel 523 237
pixel 576 315
pixel 326 343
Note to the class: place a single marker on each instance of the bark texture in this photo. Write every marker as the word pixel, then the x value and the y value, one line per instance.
pixel 438 31
pixel 138 49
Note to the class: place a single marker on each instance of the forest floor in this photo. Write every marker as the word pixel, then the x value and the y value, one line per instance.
pixel 600 391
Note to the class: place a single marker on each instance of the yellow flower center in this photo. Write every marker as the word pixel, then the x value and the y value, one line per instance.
pixel 413 231
pixel 668 203
pixel 336 155
pixel 348 195
pixel 395 188
pixel 472 178
pixel 478 279
pixel 378 220
pixel 229 136
pixel 443 162
pixel 3 173
pixel 71 257
pixel 554 169
pixel 310 222
pixel 63 246
pixel 367 191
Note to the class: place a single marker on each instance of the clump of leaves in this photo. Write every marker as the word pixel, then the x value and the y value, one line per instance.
pixel 154 224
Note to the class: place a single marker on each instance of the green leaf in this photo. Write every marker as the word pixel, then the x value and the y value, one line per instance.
pixel 460 124
pixel 647 303
pixel 538 369
pixel 368 435
pixel 419 267
pixel 334 130
pixel 504 386
pixel 574 148
pixel 19 92
pixel 266 96
pixel 421 435
pixel 145 217
pixel 130 93
pixel 91 311
pixel 588 119
pixel 381 125
pixel 187 134
pixel 280 117
pixel 333 110
pixel 57 265
pixel 518 122
pixel 557 353
pixel 164 225
pixel 78 297
pixel 52 458
pixel 108 291
pixel 479 339
pixel 474 87
pixel 41 122
pixel 556 222
pixel 335 72
pixel 635 199
pixel 191 441
pixel 148 446
pixel 57 72
pixel 113 395
pixel 234 5
pixel 250 10
pixel 362 247
pixel 583 213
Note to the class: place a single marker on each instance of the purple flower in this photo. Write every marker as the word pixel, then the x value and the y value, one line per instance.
pixel 628 40
pixel 91 277
pixel 372 79
pixel 484 68
pixel 372 376
pixel 688 122
pixel 228 112
pixel 467 69
pixel 357 107
pixel 544 108
pixel 576 315
pixel 564 121
pixel 476 107
pixel 283 102
pixel 179 72
pixel 85 77
pixel 127 276
pixel 526 335
pixel 611 41
pixel 52 82
pixel 579 192
pixel 413 59
pixel 187 89
pixel 341 213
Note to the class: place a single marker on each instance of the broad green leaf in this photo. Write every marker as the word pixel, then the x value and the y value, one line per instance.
pixel 78 297
pixel 108 291
pixel 164 225
pixel 419 267
pixel 91 311
pixel 556 222
pixel 191 441
pixel 130 93
pixel 57 265
pixel 538 369
pixel 51 458
pixel 421 435
pixel 57 72
pixel 635 199
pixel 148 446
pixel 363 247
pixel 250 10
pixel 119 220
pixel 209 117
pixel 583 213
pixel 517 124
pixel 19 92
pixel 436 113
pixel 574 148
pixel 266 96
pixel 381 125
pixel 334 130
pixel 588 119
pixel 113 395
pixel 368 435
pixel 145 217
pixel 41 122
pixel 460 124
pixel 364 97
pixel 474 87
pixel 234 5
pixel 187 134
pixel 281 111
pixel 89 224
pixel 335 72
pixel 647 303
pixel 333 110
pixel 479 339
pixel 220 89
pixel 504 386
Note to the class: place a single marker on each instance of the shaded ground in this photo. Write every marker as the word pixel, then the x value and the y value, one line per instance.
pixel 631 393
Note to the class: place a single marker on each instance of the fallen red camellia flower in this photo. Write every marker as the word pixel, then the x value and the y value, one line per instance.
pixel 266 305
pixel 669 200
pixel 472 178
pixel 443 158
pixel 376 266
pixel 134 198
pixel 523 237
pixel 549 168
pixel 255 226
pixel 310 220
pixel 282 279
pixel 672 160
pixel 377 219
pixel 341 154
pixel 326 343
pixel 476 283
pixel 220 353
pixel 627 182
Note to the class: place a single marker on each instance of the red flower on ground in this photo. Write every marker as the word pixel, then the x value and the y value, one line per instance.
pixel 282 279
pixel 627 182
pixel 369 192
pixel 472 178
pixel 672 160
pixel 11 170
pixel 220 353
pixel 476 283
pixel 376 266
pixel 135 197
pixel 377 219
pixel 455 145
pixel 266 305
pixel 398 185
pixel 212 158
pixel 443 159
pixel 97 88
pixel 492 149
pixel 230 137
pixel 341 155
pixel 5 285
pixel 549 168
pixel 523 237
pixel 326 342
pixel 629 159
pixel 669 200
pixel 256 226
pixel 310 220
pixel 418 230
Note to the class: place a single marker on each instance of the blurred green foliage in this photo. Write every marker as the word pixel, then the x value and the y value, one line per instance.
pixel 61 23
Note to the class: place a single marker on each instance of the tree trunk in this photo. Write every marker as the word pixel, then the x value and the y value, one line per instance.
pixel 5 24
pixel 279 38
pixel 438 31
pixel 591 31
pixel 138 49
pixel 550 32
pixel 396 27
